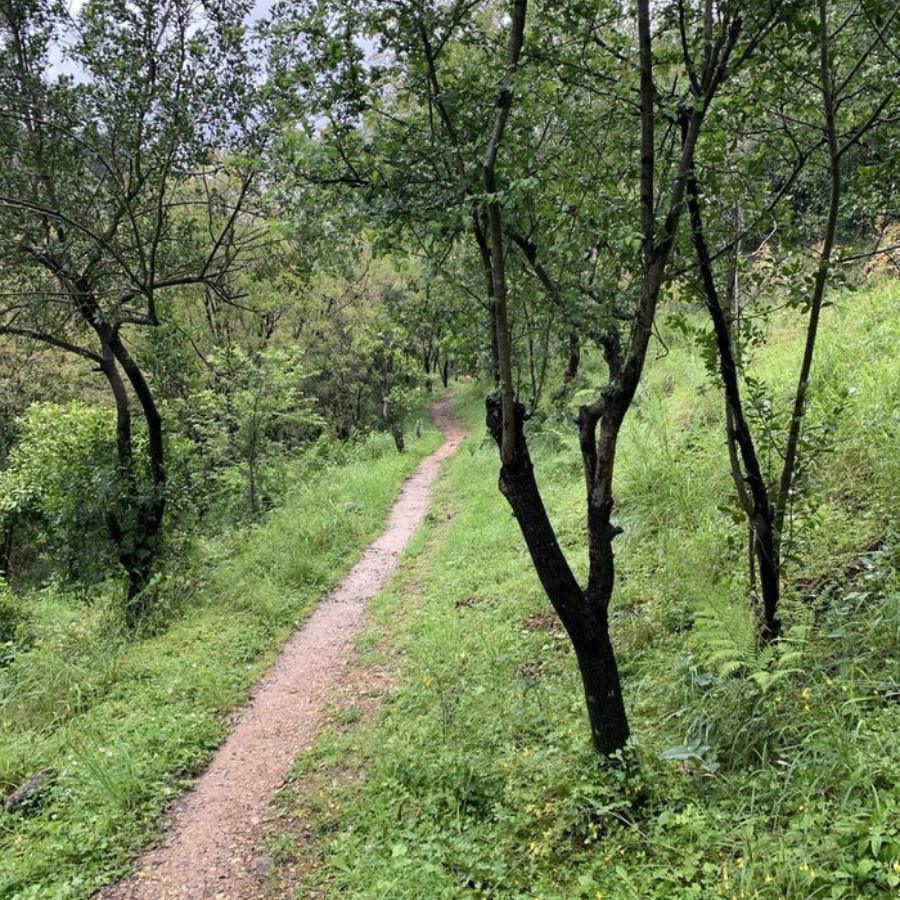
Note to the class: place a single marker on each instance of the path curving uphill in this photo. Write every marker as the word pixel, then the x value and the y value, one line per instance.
pixel 208 851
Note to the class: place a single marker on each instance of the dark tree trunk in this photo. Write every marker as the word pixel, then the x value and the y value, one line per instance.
pixel 584 618
pixel 395 426
pixel 487 267
pixel 6 546
pixel 136 530
pixel 251 486
pixel 574 357
pixel 602 688
pixel 495 351
pixel 445 373
pixel 749 481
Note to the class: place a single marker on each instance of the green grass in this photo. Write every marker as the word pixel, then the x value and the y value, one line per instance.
pixel 477 779
pixel 125 723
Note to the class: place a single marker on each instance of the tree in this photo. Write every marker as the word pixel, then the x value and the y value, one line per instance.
pixel 851 103
pixel 551 190
pixel 110 169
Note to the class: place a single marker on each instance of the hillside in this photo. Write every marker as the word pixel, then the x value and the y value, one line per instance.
pixel 476 777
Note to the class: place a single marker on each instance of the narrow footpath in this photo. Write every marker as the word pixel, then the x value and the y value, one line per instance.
pixel 208 850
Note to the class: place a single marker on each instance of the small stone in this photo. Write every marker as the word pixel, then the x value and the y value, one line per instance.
pixel 262 865
pixel 28 793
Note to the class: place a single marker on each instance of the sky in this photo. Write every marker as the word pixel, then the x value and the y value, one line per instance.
pixel 60 65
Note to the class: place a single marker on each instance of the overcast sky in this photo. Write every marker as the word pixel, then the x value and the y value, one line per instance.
pixel 59 65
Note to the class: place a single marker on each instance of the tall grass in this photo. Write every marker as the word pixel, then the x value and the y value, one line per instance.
pixel 478 779
pixel 125 722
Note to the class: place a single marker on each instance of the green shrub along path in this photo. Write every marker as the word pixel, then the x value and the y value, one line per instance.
pixel 125 723
pixel 747 775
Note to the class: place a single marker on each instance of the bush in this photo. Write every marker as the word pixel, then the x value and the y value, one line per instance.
pixel 63 478
pixel 13 620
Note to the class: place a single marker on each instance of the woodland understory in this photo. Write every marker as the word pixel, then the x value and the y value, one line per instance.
pixel 646 644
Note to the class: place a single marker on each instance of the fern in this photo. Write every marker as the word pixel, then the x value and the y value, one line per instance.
pixel 727 637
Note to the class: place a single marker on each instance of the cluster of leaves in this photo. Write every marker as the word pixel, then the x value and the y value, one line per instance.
pixel 62 479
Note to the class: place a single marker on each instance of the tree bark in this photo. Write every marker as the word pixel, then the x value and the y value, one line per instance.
pixel 586 622
pixel 755 496
pixel 137 540
pixel 6 547
pixel 395 426
pixel 574 360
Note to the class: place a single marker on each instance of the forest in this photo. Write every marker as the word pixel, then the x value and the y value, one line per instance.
pixel 449 448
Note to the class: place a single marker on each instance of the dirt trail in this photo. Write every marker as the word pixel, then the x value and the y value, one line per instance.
pixel 209 849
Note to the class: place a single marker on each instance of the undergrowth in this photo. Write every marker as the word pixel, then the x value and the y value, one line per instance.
pixel 751 773
pixel 125 722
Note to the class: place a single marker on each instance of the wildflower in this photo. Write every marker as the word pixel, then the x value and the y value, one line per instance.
pixel 525 751
pixel 534 847
pixel 740 862
pixel 896 868
pixel 804 868
pixel 598 895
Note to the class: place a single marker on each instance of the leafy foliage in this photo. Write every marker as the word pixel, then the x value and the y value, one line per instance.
pixel 62 478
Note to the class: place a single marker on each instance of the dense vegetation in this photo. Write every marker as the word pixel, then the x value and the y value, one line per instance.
pixel 653 247
pixel 747 776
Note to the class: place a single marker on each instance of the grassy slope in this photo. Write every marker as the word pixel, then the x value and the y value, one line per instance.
pixel 477 779
pixel 125 724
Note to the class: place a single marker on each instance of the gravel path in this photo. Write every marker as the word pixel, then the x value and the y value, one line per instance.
pixel 208 851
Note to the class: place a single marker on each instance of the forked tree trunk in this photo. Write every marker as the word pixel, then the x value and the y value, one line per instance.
pixel 136 531
pixel 585 619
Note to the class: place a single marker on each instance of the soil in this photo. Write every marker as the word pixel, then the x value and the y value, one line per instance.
pixel 209 849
